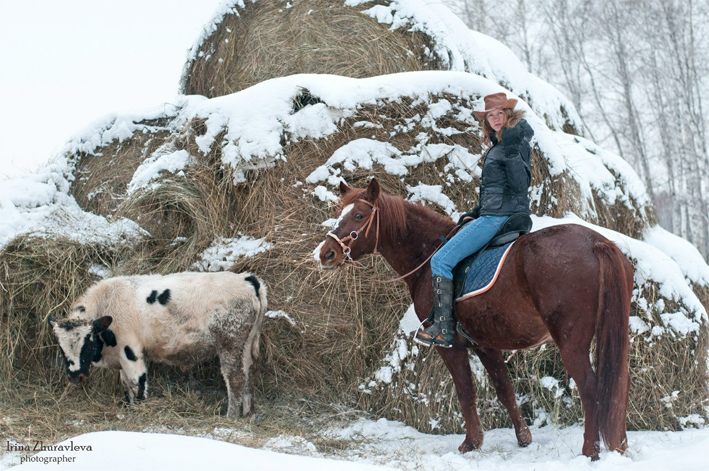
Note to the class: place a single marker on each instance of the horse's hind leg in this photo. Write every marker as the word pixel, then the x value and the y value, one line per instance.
pixel 457 362
pixel 578 365
pixel 495 365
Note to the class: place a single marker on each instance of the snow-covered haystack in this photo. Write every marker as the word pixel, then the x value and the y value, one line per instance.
pixel 248 181
pixel 249 41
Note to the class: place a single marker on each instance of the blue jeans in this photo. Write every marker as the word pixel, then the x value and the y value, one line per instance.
pixel 466 242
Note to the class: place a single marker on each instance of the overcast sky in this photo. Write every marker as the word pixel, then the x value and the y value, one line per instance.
pixel 65 63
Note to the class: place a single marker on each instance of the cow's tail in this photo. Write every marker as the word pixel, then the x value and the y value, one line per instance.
pixel 612 344
pixel 261 306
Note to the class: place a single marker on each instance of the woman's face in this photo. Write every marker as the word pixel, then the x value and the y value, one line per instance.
pixel 496 118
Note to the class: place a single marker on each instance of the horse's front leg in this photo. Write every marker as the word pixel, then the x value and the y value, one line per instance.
pixel 457 362
pixel 495 365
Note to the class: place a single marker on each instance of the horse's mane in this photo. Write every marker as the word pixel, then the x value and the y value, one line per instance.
pixel 392 209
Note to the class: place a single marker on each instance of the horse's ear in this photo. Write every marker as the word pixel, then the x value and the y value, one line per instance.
pixel 372 192
pixel 344 189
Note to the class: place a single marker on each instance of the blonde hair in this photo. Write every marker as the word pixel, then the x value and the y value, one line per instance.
pixel 511 118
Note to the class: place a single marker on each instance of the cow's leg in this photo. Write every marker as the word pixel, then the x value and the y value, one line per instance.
pixel 497 369
pixel 236 332
pixel 247 360
pixel 456 359
pixel 230 341
pixel 134 374
pixel 233 376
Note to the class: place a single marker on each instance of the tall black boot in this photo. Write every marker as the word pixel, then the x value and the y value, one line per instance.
pixel 441 333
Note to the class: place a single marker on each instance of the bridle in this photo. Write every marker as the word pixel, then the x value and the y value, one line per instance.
pixel 354 235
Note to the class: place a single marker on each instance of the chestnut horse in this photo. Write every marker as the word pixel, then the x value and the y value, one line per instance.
pixel 565 283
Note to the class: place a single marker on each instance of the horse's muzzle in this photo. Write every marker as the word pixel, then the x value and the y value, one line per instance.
pixel 327 260
pixel 327 255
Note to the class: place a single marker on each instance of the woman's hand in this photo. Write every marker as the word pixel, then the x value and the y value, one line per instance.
pixel 511 140
pixel 469 216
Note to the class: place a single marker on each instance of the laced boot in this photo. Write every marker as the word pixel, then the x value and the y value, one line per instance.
pixel 441 333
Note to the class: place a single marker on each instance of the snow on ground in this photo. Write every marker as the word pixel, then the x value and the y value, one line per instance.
pixel 375 445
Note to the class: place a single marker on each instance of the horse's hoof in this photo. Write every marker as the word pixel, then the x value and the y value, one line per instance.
pixel 466 446
pixel 524 437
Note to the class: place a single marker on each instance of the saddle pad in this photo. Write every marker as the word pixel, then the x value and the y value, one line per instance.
pixel 484 271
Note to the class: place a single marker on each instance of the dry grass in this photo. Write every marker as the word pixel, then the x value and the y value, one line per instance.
pixel 39 276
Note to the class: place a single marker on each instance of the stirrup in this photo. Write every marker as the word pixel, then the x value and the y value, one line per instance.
pixel 436 340
pixel 421 341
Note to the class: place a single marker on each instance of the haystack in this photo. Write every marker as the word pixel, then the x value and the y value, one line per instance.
pixel 249 42
pixel 209 174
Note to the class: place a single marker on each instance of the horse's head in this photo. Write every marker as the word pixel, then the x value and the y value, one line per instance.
pixel 356 232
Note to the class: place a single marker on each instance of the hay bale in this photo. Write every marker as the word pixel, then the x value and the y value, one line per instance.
pixel 257 41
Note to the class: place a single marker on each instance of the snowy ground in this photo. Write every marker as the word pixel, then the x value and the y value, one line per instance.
pixel 376 445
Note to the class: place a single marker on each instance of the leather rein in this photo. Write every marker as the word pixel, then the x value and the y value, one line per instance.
pixel 354 235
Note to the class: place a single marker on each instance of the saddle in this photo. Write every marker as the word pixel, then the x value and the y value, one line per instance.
pixel 516 225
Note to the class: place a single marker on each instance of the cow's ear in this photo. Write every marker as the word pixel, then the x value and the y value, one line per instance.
pixel 344 188
pixel 51 320
pixel 102 324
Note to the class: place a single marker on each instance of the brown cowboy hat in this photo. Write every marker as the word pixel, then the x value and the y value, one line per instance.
pixel 495 101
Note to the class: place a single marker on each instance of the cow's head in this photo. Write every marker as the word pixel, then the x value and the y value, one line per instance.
pixel 80 343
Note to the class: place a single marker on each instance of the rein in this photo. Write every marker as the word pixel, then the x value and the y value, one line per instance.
pixel 354 235
pixel 455 229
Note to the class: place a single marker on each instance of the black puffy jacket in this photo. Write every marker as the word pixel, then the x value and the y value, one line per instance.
pixel 506 175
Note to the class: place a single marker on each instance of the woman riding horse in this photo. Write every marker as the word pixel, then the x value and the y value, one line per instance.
pixel 503 192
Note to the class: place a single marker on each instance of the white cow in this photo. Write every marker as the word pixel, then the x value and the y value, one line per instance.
pixel 180 319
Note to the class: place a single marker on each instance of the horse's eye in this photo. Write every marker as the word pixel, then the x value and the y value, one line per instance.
pixel 358 216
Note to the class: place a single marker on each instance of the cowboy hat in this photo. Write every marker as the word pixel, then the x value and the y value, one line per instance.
pixel 493 102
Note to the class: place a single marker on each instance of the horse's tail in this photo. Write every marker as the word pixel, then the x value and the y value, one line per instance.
pixel 612 344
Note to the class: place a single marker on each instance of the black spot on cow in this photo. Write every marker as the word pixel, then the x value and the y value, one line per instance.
pixel 99 349
pixel 141 386
pixel 153 296
pixel 109 338
pixel 130 354
pixel 254 281
pixel 86 356
pixel 164 298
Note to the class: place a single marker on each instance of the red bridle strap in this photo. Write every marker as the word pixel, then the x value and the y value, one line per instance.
pixel 354 235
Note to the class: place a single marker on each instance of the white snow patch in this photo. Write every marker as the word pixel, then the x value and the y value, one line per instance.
pixel 224 252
